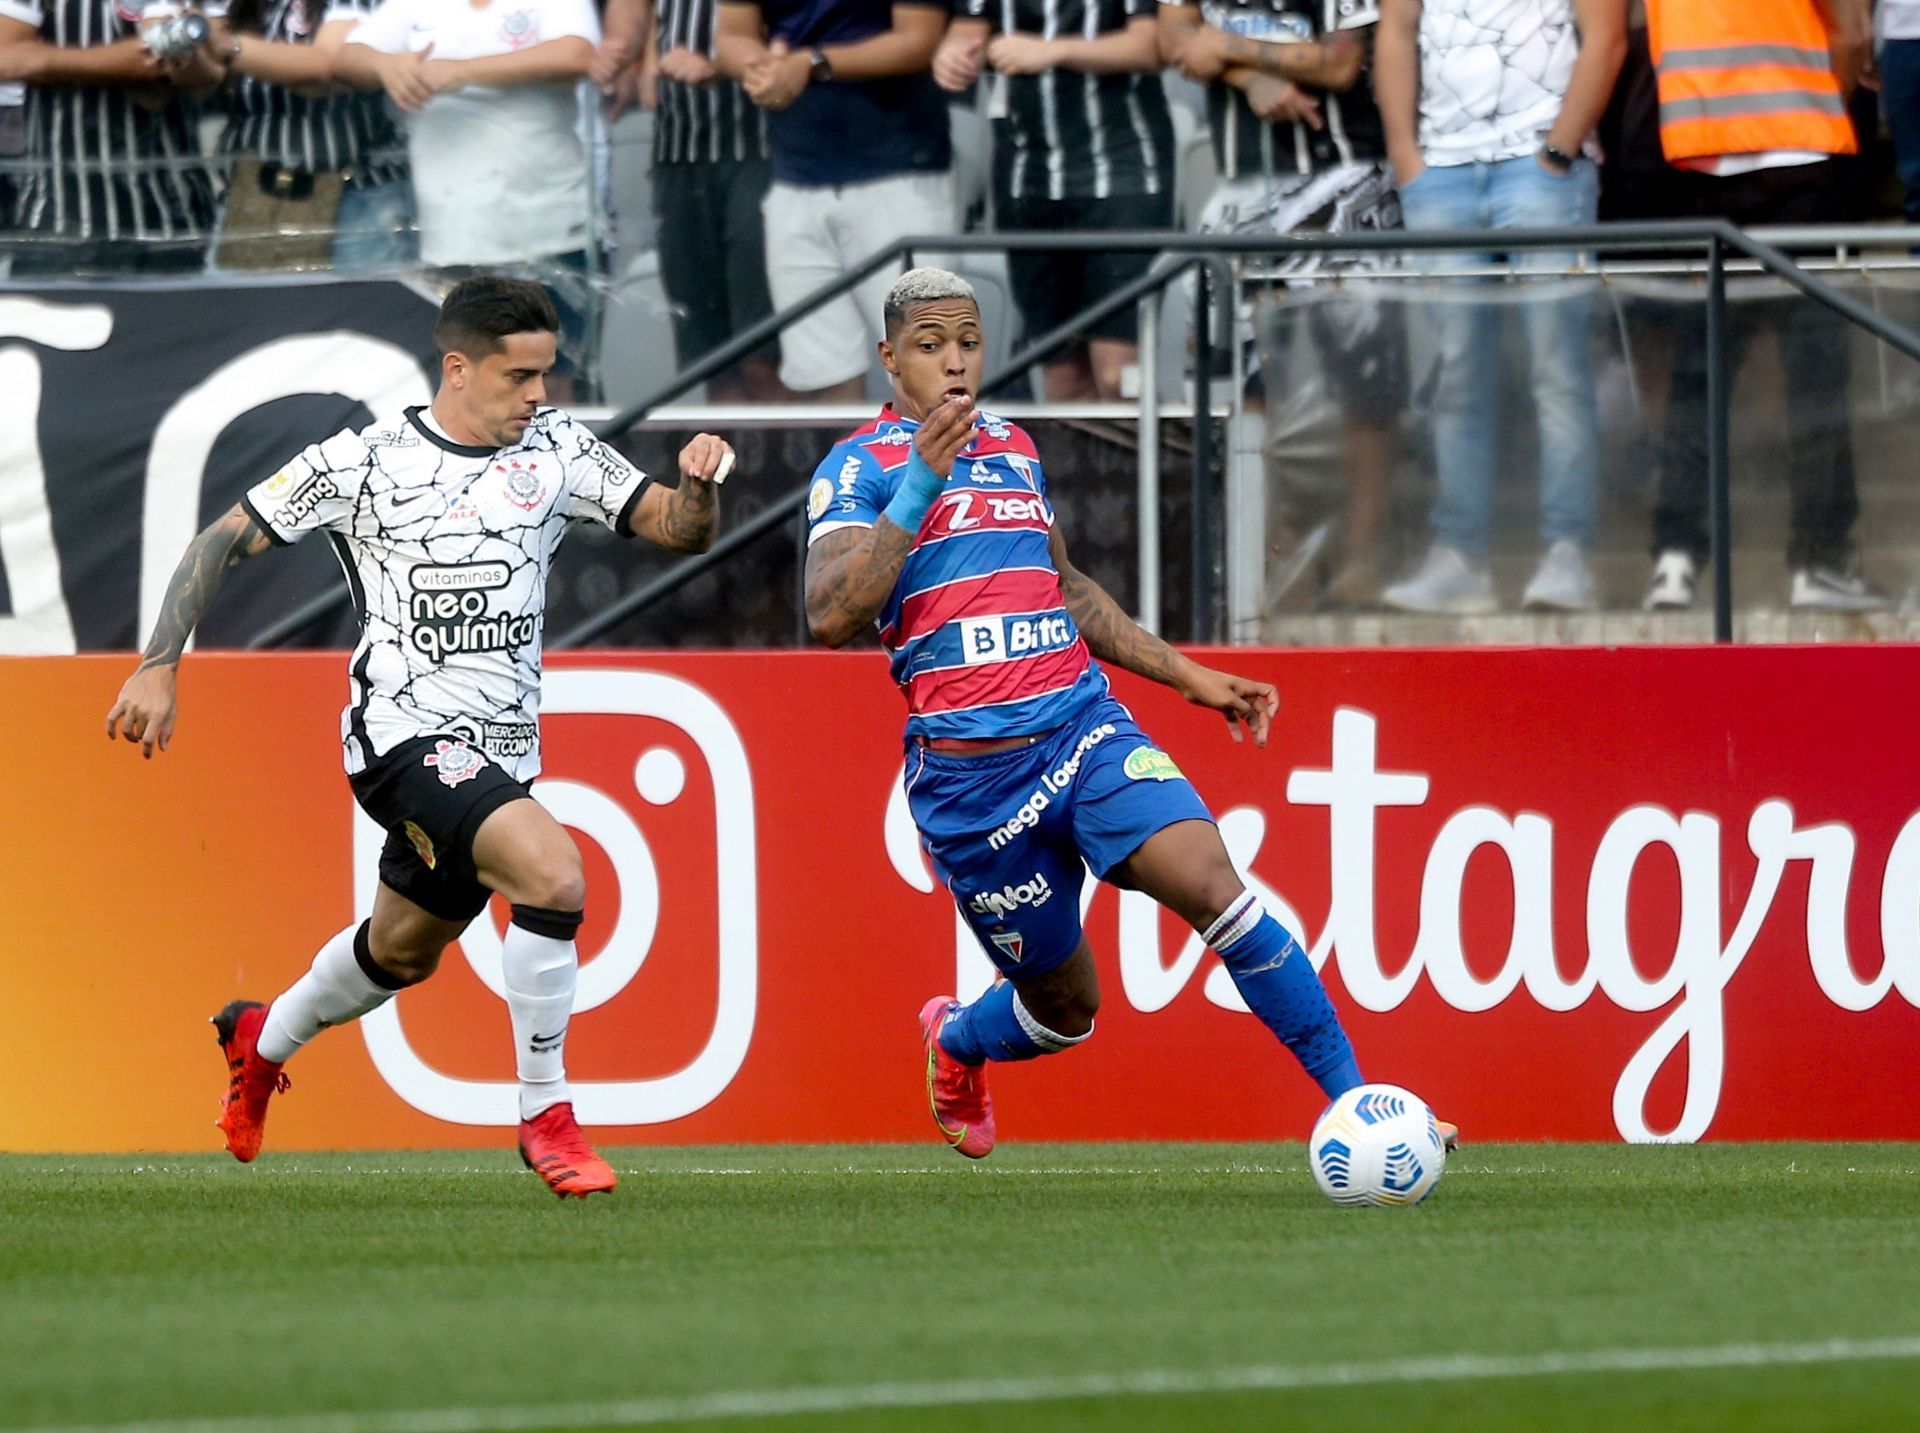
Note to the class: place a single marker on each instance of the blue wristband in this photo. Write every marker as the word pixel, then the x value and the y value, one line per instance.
pixel 915 495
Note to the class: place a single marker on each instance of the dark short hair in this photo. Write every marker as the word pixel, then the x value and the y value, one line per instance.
pixel 480 312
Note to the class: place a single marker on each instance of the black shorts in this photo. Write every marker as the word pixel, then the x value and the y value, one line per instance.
pixel 431 794
pixel 1052 288
pixel 713 252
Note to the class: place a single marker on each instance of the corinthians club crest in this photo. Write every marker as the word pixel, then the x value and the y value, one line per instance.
pixel 455 761
pixel 525 486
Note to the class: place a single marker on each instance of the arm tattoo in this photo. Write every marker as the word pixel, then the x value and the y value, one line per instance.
pixel 233 537
pixel 1304 60
pixel 850 575
pixel 1110 634
pixel 688 517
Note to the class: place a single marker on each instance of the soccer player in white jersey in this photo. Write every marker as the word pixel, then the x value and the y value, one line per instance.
pixel 446 523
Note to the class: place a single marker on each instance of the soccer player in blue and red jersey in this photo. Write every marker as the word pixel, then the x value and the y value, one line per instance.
pixel 933 521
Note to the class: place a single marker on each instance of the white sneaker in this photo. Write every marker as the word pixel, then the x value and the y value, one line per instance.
pixel 1563 581
pixel 1446 583
pixel 1830 589
pixel 1676 578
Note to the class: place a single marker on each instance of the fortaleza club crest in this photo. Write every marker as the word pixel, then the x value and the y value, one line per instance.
pixel 455 761
pixel 525 487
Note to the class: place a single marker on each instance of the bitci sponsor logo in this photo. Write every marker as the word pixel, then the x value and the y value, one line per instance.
pixel 655 785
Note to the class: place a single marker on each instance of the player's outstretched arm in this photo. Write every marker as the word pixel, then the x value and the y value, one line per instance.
pixel 683 519
pixel 1113 636
pixel 145 710
pixel 851 573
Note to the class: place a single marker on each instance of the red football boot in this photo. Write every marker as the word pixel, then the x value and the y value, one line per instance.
pixel 962 1108
pixel 251 1081
pixel 553 1148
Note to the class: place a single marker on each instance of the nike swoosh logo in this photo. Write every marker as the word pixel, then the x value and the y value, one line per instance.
pixel 407 500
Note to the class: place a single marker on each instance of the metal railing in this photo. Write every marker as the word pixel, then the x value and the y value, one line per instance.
pixel 1207 255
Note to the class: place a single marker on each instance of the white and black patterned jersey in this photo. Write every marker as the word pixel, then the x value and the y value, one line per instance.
pixel 1351 131
pixel 351 130
pixel 99 164
pixel 1493 75
pixel 1072 135
pixel 701 124
pixel 446 548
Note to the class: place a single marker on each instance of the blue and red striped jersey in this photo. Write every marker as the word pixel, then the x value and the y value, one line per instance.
pixel 980 641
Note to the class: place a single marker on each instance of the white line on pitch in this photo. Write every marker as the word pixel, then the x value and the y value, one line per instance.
pixel 851 1398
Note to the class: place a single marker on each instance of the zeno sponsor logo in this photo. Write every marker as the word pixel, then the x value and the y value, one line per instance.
pixel 1052 784
pixel 1009 898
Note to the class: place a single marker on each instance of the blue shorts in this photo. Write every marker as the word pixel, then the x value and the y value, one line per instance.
pixel 1011 833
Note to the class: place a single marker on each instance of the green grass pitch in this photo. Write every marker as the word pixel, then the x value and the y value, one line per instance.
pixel 1562 1287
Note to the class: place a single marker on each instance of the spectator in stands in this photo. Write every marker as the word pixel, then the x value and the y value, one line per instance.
pixel 1490 106
pixel 304 149
pixel 500 174
pixel 860 153
pixel 114 179
pixel 1775 159
pixel 1899 68
pixel 1299 148
pixel 710 179
pixel 1083 141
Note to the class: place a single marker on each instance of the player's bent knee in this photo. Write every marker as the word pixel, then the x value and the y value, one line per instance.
pixel 551 886
pixel 396 961
pixel 1220 890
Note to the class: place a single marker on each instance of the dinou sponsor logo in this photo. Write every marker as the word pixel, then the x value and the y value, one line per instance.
pixel 1705 955
pixel 1009 898
pixel 449 611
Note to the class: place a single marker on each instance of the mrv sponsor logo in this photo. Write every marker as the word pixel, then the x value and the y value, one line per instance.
pixel 450 612
pixel 1009 898
pixel 1052 783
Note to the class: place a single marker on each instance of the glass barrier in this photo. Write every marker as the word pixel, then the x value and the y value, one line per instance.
pixel 1437 460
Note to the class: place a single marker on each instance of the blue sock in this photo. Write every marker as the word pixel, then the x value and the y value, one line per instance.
pixel 998 1027
pixel 1279 983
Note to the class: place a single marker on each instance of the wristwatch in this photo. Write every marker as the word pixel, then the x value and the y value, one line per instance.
pixel 820 69
pixel 1556 158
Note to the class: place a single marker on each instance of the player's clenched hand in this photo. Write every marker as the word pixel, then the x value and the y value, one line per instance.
pixel 145 710
pixel 707 458
pixel 946 433
pixel 1244 702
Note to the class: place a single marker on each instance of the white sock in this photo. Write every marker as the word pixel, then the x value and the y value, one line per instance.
pixel 539 973
pixel 335 990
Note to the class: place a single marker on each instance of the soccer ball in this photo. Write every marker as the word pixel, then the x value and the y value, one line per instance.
pixel 1376 1144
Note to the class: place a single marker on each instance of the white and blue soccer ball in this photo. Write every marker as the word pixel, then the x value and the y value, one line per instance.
pixel 1378 1145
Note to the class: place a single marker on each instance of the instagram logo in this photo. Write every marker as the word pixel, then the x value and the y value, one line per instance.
pixel 659 779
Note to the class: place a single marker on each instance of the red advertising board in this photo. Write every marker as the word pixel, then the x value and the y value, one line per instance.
pixel 1576 894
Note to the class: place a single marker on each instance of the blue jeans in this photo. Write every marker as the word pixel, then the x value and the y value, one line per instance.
pixel 1511 194
pixel 376 228
pixel 1900 98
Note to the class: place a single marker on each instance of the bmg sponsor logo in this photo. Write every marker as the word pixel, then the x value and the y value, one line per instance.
pixel 607 818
